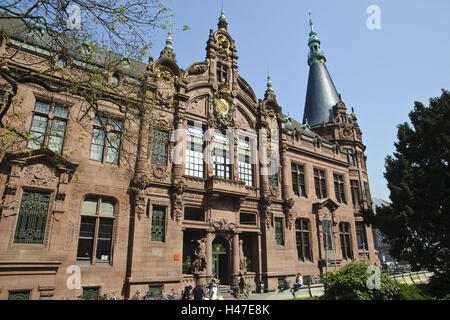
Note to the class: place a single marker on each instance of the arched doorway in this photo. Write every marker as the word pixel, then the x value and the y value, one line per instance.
pixel 220 260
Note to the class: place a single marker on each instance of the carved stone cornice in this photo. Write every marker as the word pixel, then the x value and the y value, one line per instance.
pixel 222 225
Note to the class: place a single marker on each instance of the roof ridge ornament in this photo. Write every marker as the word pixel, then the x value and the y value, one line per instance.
pixel 222 19
pixel 269 84
pixel 315 54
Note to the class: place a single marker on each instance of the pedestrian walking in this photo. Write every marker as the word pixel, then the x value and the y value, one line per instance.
pixel 198 292
pixel 213 290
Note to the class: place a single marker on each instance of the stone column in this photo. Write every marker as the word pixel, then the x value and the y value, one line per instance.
pixel 285 171
pixel 236 254
pixel 209 240
pixel 179 146
pixel 259 258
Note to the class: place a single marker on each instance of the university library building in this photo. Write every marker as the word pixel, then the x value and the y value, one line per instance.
pixel 200 180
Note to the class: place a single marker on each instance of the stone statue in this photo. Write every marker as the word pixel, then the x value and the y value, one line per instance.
pixel 199 264
pixel 242 258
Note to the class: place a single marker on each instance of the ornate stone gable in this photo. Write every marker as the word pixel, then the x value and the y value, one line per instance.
pixel 222 107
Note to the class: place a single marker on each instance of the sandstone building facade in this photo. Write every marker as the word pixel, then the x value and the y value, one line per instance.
pixel 200 201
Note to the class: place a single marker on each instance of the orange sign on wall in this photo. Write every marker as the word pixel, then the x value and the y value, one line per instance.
pixel 176 257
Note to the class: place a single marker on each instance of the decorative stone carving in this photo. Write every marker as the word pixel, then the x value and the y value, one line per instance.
pixel 223 44
pixel 177 190
pixel 197 106
pixel 273 191
pixel 222 105
pixel 139 185
pixel 39 175
pixel 9 208
pixel 287 209
pixel 223 225
pixel 266 211
pixel 159 173
pixel 197 69
pixel 242 258
pixel 199 263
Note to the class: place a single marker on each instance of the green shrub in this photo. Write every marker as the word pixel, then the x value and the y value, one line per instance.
pixel 412 293
pixel 350 283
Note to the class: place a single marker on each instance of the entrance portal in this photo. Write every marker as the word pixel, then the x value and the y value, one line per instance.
pixel 220 260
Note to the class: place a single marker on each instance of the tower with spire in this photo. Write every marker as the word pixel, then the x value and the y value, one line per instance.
pixel 321 94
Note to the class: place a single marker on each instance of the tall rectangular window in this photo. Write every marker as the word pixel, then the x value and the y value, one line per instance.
pixel 273 179
pixel 367 190
pixel 48 126
pixel 346 245
pixel 361 236
pixel 245 161
pixel 222 73
pixel 279 238
pixel 96 229
pixel 160 147
pixel 327 235
pixel 194 152
pixel 320 183
pixel 356 194
pixel 222 161
pixel 350 156
pixel 339 188
pixel 32 217
pixel 302 236
pixel 158 224
pixel 105 143
pixel 298 180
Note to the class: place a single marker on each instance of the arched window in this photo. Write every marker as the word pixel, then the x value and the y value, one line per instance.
pixel 95 238
pixel 345 237
pixel 302 236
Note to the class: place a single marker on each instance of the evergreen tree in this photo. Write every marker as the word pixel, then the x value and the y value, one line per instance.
pixel 417 224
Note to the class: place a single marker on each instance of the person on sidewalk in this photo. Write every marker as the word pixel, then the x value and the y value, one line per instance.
pixel 298 283
pixel 213 290
pixel 198 292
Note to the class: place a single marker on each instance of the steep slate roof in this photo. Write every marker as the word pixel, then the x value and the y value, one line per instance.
pixel 321 95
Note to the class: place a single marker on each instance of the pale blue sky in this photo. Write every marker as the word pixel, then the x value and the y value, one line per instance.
pixel 378 72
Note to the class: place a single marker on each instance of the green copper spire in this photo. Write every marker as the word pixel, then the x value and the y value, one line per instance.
pixel 222 19
pixel 315 54
pixel 169 43
pixel 269 84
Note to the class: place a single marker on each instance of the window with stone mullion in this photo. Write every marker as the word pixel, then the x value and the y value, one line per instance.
pixel 298 180
pixel 356 195
pixel 302 239
pixel 245 166
pixel 48 130
pixel 160 147
pixel 194 152
pixel 346 248
pixel 222 163
pixel 339 188
pixel 320 183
